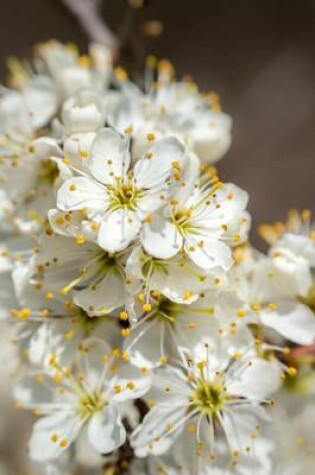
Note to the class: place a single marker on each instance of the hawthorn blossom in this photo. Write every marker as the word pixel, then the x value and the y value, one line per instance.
pixel 117 198
pixel 205 223
pixel 24 202
pixel 273 291
pixel 297 235
pixel 48 325
pixel 94 277
pixel 162 329
pixel 90 397
pixel 60 69
pixel 177 278
pixel 171 108
pixel 209 397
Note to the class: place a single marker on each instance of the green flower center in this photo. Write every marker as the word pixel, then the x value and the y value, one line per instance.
pixel 48 172
pixel 90 404
pixel 209 397
pixel 124 195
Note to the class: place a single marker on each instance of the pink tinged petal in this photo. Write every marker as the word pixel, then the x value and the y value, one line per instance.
pixel 293 320
pixel 155 170
pixel 160 238
pixel 53 434
pixel 209 253
pixel 109 158
pixel 118 230
pixel 258 381
pixel 106 431
pixel 82 193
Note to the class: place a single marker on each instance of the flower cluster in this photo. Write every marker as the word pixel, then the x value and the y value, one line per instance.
pixel 152 337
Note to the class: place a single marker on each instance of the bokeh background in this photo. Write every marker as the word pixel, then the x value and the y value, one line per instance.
pixel 259 55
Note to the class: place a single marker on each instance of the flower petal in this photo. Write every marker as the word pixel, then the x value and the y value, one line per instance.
pixel 160 238
pixel 106 431
pixel 109 157
pixel 82 193
pixel 118 230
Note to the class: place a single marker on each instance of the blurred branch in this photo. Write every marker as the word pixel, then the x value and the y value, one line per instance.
pixel 89 17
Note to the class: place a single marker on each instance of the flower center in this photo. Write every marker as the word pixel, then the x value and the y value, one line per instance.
pixel 90 404
pixel 181 219
pixel 209 397
pixel 48 172
pixel 124 195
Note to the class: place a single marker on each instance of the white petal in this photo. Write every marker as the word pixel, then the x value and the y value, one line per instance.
pixel 109 157
pixel 160 238
pixel 292 320
pixel 82 193
pixel 118 230
pixel 106 431
pixel 144 344
pixel 127 373
pixel 150 172
pixel 105 296
pixel 261 379
pixel 63 424
pixel 212 254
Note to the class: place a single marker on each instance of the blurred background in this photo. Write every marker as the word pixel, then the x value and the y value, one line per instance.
pixel 259 55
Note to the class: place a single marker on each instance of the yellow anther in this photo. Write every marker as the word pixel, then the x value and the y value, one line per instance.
pixel 191 325
pixel 123 316
pixel 54 438
pixel 60 220
pixel 272 306
pixel 125 356
pixel 141 297
pixel 147 307
pixel 292 371
pixel 49 295
pixel 130 385
pixel 79 239
pixel 53 361
pixel 64 443
pixel 176 165
pixel 128 130
pixel 84 153
pixel 151 136
pixel 117 388
pixel 125 332
pixel 121 74
pixel 256 307
pixel 187 294
pixel 116 352
pixel 241 313
pixel 24 313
